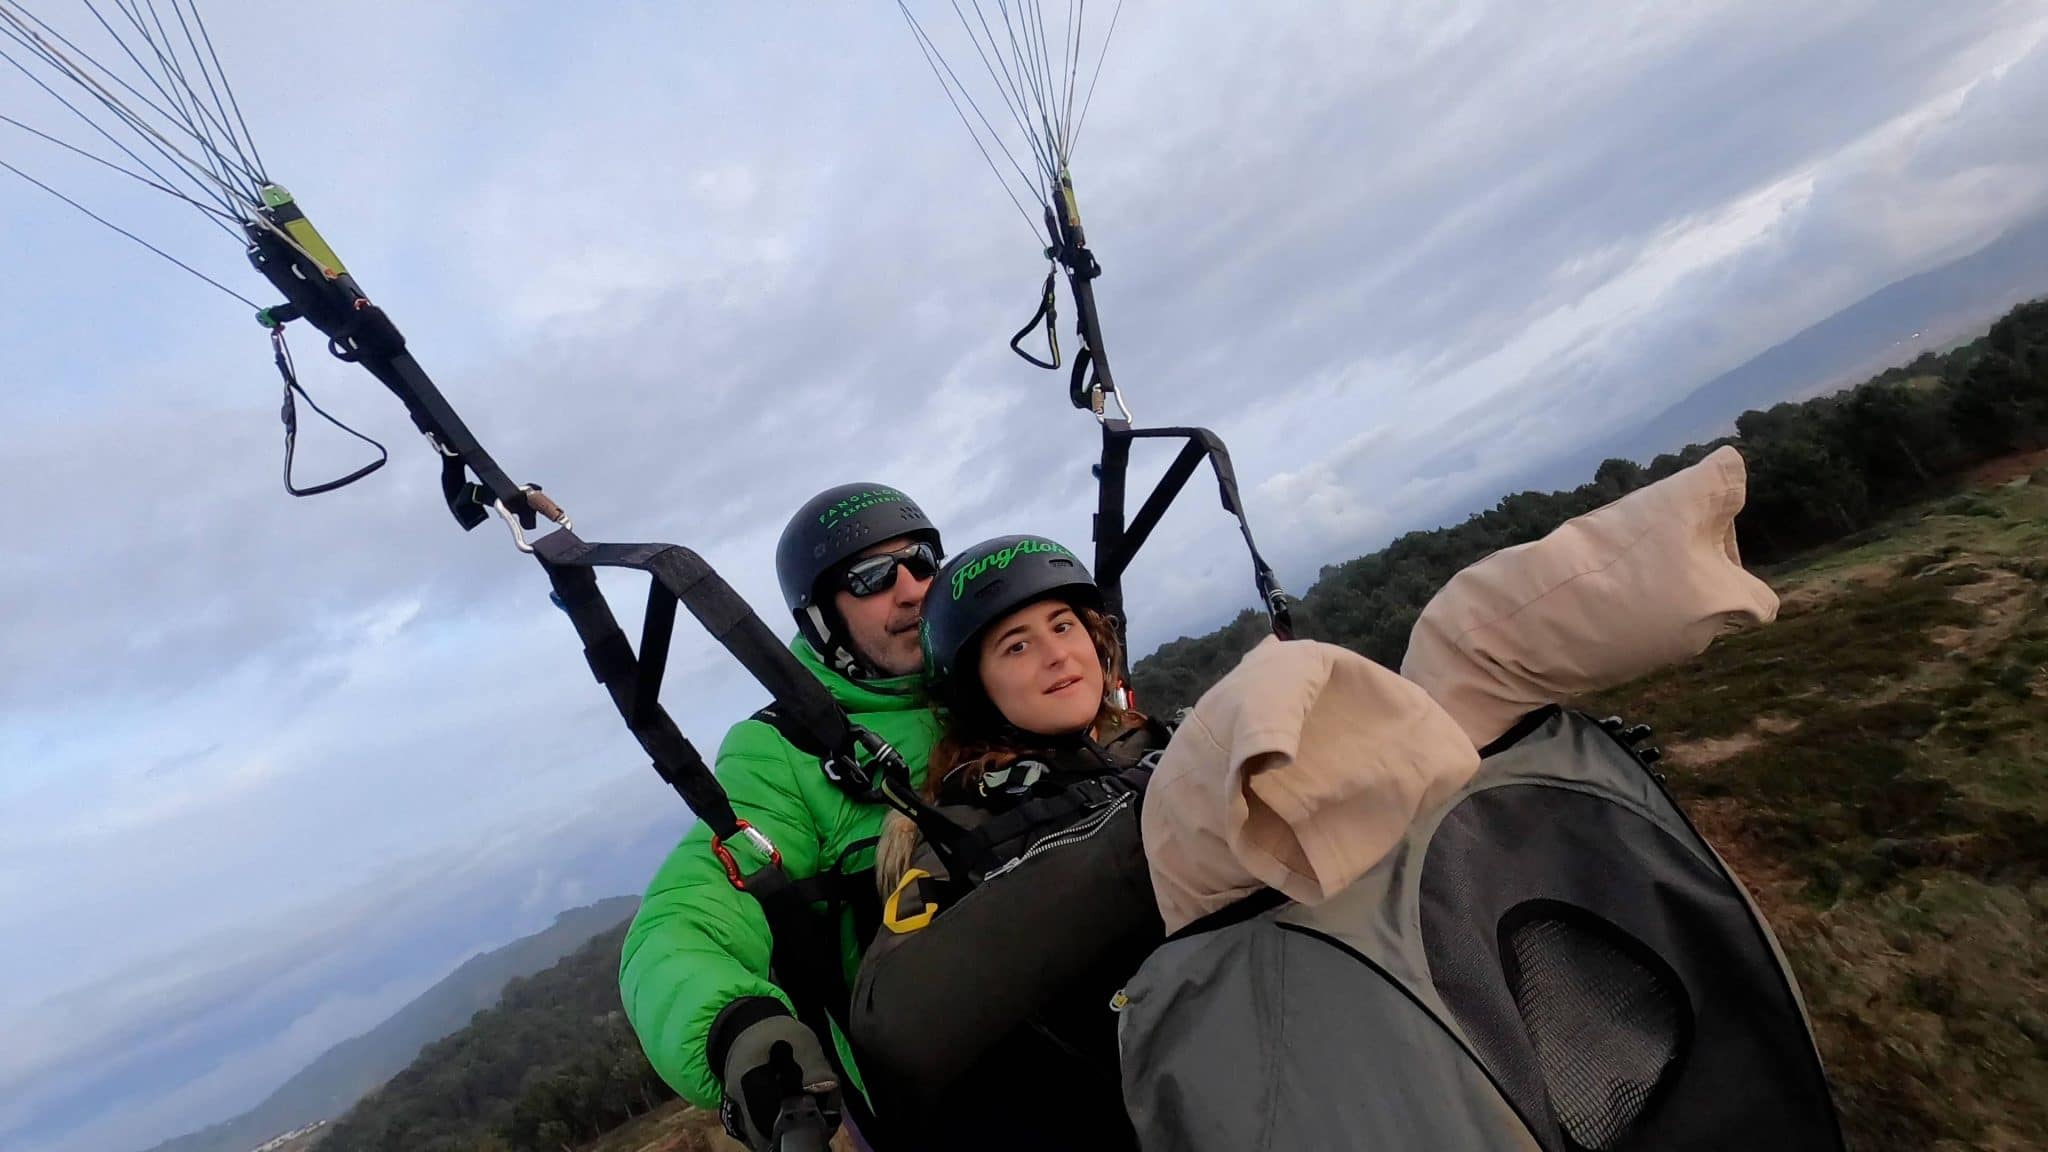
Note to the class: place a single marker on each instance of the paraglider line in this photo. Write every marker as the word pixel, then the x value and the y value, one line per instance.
pixel 1026 64
pixel 230 89
pixel 1018 106
pixel 211 90
pixel 1090 96
pixel 174 68
pixel 925 47
pixel 198 172
pixel 223 219
pixel 59 65
pixel 56 60
pixel 1073 63
pixel 130 235
pixel 226 206
pixel 939 60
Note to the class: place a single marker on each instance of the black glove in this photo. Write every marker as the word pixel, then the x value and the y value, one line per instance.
pixel 774 1066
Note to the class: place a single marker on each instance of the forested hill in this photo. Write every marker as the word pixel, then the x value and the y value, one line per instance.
pixel 1819 471
pixel 344 1073
pixel 552 1065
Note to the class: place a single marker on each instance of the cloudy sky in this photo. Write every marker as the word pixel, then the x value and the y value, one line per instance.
pixel 269 767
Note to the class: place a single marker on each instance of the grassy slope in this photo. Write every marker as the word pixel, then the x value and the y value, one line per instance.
pixel 1875 765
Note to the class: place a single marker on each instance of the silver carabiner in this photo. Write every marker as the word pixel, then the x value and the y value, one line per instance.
pixel 1098 407
pixel 518 532
pixel 543 505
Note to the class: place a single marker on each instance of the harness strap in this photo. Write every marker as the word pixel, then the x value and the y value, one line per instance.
pixel 613 663
pixel 891 787
pixel 1117 545
pixel 1009 834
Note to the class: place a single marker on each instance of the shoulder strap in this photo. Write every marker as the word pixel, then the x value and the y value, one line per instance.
pixel 799 737
pixel 944 835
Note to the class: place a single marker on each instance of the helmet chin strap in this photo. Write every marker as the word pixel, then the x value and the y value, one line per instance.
pixel 842 657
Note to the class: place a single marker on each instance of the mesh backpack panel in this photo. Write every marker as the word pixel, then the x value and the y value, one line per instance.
pixel 1603 965
pixel 1607 1021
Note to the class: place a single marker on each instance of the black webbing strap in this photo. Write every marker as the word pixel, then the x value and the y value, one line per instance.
pixel 946 836
pixel 806 952
pixel 797 737
pixel 1111 478
pixel 1009 834
pixel 433 415
pixel 615 665
pixel 680 576
pixel 1261 901
pixel 1070 248
pixel 359 332
pixel 1116 545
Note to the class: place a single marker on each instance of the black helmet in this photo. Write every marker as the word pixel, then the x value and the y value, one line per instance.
pixel 983 584
pixel 831 528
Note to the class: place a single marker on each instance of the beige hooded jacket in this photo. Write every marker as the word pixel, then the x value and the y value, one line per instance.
pixel 1303 766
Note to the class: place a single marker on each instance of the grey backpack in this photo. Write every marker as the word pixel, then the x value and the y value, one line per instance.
pixel 1552 960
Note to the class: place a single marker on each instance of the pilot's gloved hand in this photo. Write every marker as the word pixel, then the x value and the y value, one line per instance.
pixel 771 1065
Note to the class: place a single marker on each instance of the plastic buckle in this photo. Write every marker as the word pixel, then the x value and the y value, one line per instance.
pixel 1095 791
pixel 845 768
pixel 892 917
pixel 761 844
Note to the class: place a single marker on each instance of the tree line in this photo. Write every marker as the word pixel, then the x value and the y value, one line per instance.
pixel 1819 470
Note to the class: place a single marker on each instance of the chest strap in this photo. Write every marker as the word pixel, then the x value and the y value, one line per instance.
pixel 1011 832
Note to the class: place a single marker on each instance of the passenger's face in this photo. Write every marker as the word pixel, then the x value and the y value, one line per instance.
pixel 1040 669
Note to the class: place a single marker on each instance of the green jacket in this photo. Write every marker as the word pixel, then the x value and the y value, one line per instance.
pixel 698 943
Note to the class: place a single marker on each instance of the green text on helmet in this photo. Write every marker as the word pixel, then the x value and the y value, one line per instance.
pixel 997 561
pixel 858 502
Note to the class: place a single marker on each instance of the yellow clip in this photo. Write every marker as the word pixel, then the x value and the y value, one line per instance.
pixel 899 925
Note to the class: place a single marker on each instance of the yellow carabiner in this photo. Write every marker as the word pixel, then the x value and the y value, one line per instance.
pixel 898 924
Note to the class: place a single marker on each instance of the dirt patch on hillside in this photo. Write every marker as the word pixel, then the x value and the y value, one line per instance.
pixel 2008 469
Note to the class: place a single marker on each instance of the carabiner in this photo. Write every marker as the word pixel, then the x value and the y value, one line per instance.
pixel 761 843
